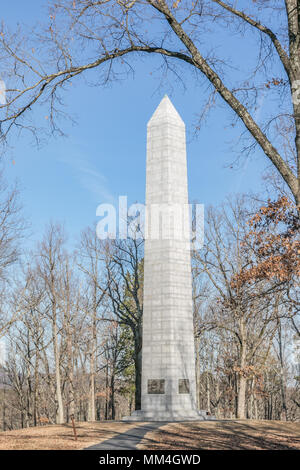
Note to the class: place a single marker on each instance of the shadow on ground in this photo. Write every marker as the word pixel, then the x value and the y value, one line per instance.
pixel 224 435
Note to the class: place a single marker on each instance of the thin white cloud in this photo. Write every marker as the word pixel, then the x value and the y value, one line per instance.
pixel 89 177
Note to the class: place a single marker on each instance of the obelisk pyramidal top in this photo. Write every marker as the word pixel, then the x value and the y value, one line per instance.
pixel 168 354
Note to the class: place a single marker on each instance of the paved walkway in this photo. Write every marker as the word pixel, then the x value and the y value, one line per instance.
pixel 128 439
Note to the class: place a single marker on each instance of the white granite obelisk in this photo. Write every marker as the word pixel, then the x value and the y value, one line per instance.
pixel 168 364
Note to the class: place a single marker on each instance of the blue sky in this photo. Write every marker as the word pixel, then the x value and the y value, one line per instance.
pixel 104 155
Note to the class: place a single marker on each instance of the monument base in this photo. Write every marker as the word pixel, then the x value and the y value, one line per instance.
pixel 168 416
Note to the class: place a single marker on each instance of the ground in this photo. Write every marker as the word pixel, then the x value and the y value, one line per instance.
pixel 61 437
pixel 222 434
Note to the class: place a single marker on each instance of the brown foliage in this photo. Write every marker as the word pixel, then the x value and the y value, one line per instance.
pixel 274 240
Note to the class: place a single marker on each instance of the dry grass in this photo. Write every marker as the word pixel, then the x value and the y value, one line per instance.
pixel 224 435
pixel 212 435
pixel 60 437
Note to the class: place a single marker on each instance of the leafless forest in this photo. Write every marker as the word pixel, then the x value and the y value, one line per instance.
pixel 72 321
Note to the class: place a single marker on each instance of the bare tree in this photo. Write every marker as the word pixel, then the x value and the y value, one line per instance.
pixel 72 311
pixel 124 268
pixel 49 268
pixel 115 270
pixel 12 229
pixel 83 35
pixel 246 314
pixel 90 261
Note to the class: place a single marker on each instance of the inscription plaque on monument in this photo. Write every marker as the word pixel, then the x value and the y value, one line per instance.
pixel 183 386
pixel 156 386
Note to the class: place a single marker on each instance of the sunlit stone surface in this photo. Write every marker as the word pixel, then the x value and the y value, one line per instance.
pixel 168 371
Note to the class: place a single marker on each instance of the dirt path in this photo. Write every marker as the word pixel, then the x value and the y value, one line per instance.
pixel 127 440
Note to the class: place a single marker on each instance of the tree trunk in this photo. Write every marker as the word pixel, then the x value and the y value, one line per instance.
pixel 92 404
pixel 36 389
pixel 217 412
pixel 69 338
pixel 112 396
pixel 59 400
pixel 255 408
pixel 92 407
pixel 71 399
pixel 138 365
pixel 198 61
pixel 292 10
pixel 242 382
pixel 283 414
pixel 241 398
pixel 250 411
pixel 3 409
pixel 197 372
pixel 208 392
pixel 106 391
